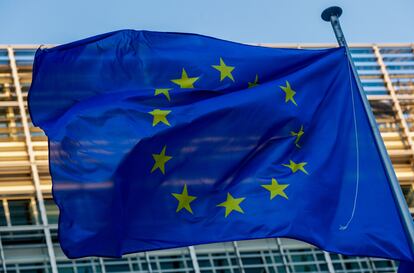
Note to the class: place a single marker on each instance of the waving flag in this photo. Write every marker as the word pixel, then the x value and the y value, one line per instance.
pixel 161 140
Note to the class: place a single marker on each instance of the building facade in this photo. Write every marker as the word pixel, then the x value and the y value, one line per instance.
pixel 28 216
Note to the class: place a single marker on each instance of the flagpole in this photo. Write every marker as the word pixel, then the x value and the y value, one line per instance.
pixel 332 15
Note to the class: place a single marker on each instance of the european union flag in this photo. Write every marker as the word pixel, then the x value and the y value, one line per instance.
pixel 160 140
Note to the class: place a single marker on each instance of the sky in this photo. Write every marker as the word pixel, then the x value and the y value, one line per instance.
pixel 246 21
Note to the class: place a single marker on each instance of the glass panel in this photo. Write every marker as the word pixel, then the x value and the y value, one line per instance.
pixel 396 50
pixel 408 194
pixel 3 221
pixel 380 265
pixel 52 211
pixel 366 50
pixel 117 267
pixel 20 212
pixel 65 267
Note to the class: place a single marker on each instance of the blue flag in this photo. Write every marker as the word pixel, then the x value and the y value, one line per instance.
pixel 406 267
pixel 161 140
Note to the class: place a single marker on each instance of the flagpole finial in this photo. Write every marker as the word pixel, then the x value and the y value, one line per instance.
pixel 331 11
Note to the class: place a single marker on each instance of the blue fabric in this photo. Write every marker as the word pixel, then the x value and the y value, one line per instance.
pixel 93 99
pixel 406 267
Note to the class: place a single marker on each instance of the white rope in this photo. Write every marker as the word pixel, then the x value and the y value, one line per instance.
pixel 344 227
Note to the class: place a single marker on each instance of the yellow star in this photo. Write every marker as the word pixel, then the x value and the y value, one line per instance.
pixel 232 204
pixel 298 135
pixel 296 166
pixel 225 71
pixel 160 160
pixel 160 116
pixel 289 92
pixel 185 81
pixel 255 83
pixel 276 189
pixel 163 91
pixel 184 200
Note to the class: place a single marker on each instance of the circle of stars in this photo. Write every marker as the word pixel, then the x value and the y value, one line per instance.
pixel 231 204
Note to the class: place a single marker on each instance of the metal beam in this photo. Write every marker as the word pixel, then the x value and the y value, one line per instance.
pixel 238 257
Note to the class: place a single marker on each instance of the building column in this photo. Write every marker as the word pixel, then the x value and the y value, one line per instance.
pixel 34 171
pixel 282 253
pixel 238 257
pixel 147 258
pixel 328 260
pixel 194 259
pixel 101 263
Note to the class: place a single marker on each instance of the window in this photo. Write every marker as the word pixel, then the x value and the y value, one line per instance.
pixel 3 221
pixel 380 265
pixel 307 260
pixel 365 59
pixel 52 211
pixel 254 261
pixel 221 262
pixel 21 212
pixel 400 67
pixel 368 67
pixel 172 263
pixel 33 268
pixel 366 50
pixel 344 264
pixel 399 59
pixel 86 266
pixel 396 50
pixel 117 267
pixel 408 194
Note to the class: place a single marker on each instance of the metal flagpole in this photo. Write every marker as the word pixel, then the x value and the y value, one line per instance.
pixel 332 15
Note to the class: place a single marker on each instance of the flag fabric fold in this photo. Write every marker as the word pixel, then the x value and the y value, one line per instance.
pixel 161 140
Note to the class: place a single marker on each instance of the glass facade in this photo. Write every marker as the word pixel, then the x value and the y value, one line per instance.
pixel 28 215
